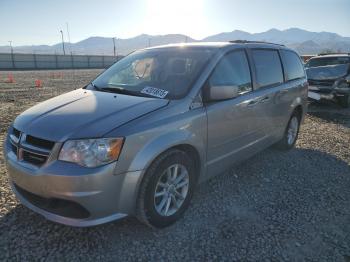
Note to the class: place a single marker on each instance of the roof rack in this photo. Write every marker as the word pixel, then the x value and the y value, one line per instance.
pixel 253 42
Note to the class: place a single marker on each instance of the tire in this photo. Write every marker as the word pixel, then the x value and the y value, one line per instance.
pixel 157 181
pixel 344 101
pixel 290 136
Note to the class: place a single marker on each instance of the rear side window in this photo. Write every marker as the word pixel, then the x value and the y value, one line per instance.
pixel 292 65
pixel 268 67
pixel 233 69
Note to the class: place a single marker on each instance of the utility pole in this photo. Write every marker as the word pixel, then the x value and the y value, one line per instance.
pixel 12 58
pixel 11 46
pixel 114 50
pixel 70 45
pixel 64 51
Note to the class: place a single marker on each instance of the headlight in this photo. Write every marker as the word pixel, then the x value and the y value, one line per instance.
pixel 348 79
pixel 91 152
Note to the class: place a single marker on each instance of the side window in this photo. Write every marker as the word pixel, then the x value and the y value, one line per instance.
pixel 233 69
pixel 292 65
pixel 268 67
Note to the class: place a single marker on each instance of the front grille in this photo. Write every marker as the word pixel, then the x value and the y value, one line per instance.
pixel 39 142
pixel 30 149
pixel 61 207
pixel 33 158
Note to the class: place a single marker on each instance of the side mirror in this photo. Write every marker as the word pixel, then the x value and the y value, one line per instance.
pixel 216 93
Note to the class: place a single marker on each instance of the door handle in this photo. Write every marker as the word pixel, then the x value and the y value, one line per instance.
pixel 264 99
pixel 259 100
pixel 253 102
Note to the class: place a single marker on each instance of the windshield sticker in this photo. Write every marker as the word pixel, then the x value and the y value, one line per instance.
pixel 153 91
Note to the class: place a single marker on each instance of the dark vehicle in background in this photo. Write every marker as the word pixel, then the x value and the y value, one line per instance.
pixel 329 78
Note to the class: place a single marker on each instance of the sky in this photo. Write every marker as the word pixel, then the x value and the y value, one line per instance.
pixel 34 22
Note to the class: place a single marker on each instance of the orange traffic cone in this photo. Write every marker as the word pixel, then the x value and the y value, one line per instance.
pixel 10 79
pixel 38 83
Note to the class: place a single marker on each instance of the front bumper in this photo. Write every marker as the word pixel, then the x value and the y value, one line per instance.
pixel 101 195
pixel 326 92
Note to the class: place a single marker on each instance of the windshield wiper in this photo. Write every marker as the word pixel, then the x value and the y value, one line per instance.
pixel 121 91
pixel 112 89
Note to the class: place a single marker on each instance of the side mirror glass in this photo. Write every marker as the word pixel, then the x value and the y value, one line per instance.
pixel 216 93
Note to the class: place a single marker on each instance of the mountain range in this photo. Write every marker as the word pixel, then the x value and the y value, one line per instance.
pixel 304 42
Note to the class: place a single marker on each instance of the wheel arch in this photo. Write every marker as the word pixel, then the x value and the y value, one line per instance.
pixel 189 149
pixel 299 111
pixel 300 107
pixel 193 153
pixel 193 145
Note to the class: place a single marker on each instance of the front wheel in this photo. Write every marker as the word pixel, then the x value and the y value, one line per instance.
pixel 166 189
pixel 291 133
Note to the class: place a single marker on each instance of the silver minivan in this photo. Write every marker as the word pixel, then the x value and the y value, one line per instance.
pixel 140 137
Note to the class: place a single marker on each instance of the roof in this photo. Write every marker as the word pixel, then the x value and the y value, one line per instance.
pixel 194 44
pixel 253 42
pixel 215 45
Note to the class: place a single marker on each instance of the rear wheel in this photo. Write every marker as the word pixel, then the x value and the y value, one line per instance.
pixel 291 133
pixel 166 189
pixel 344 101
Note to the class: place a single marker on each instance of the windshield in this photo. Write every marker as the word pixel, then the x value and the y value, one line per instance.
pixel 326 61
pixel 327 72
pixel 161 73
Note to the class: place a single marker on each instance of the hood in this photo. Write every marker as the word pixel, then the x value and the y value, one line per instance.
pixel 331 72
pixel 83 114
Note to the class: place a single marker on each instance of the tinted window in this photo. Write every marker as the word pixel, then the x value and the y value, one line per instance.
pixel 268 67
pixel 233 69
pixel 292 65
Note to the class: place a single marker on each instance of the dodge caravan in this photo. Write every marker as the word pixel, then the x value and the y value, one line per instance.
pixel 139 138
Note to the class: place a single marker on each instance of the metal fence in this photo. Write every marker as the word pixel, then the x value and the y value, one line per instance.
pixel 17 61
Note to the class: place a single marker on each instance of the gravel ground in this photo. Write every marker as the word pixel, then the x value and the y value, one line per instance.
pixel 289 206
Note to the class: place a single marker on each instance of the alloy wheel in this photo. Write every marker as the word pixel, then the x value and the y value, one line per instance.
pixel 171 190
pixel 292 130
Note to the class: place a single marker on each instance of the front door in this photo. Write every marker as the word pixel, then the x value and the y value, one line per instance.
pixel 234 125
